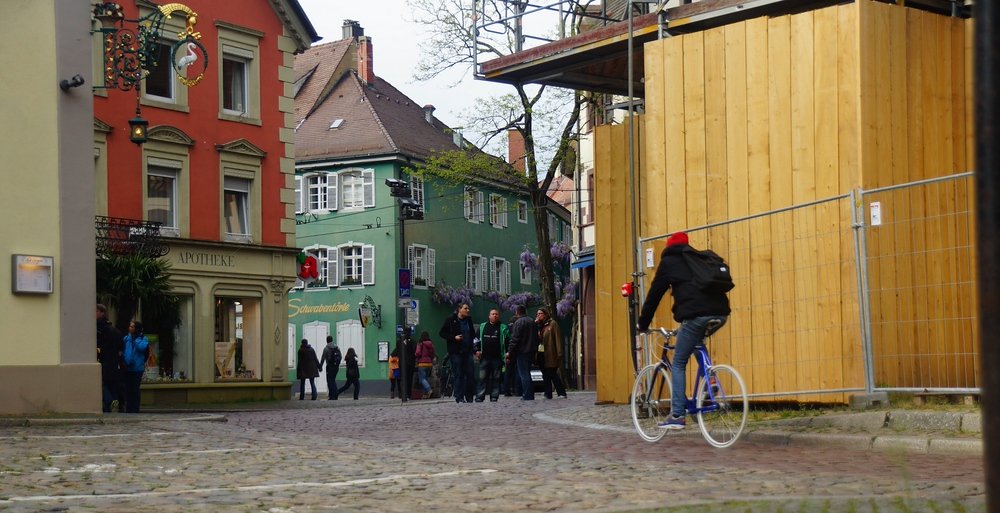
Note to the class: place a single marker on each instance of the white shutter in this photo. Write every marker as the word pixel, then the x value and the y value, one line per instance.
pixel 479 207
pixel 368 180
pixel 467 203
pixel 333 259
pixel 493 275
pixel 409 258
pixel 332 197
pixel 506 277
pixel 469 277
pixel 299 201
pixel 482 276
pixel 429 260
pixel 367 264
pixel 503 212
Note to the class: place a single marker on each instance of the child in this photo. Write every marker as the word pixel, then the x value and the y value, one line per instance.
pixel 394 381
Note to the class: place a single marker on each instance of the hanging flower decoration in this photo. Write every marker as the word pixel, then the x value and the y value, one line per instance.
pixel 561 252
pixel 451 296
pixel 529 261
pixel 567 305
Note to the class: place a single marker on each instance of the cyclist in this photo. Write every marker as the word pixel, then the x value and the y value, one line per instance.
pixel 693 308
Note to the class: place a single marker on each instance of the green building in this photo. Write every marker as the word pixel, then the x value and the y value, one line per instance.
pixel 354 132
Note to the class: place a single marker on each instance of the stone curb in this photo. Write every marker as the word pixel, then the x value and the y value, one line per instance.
pixel 107 420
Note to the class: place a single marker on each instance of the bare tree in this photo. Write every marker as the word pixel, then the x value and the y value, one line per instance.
pixel 539 114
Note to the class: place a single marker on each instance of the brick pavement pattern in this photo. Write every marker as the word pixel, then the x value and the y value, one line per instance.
pixel 509 456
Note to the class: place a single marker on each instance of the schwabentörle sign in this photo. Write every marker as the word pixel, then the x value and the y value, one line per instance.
pixel 205 258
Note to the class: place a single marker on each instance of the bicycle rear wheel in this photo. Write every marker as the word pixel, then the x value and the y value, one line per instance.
pixel 650 402
pixel 722 413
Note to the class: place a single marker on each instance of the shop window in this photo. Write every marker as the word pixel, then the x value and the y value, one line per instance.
pixel 237 339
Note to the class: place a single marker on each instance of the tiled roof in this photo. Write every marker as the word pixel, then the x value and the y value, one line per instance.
pixel 377 117
pixel 561 190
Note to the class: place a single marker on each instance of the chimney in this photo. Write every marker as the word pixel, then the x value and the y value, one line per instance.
pixel 515 149
pixel 429 113
pixel 366 69
pixel 352 29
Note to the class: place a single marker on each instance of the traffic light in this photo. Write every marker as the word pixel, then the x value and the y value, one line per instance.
pixel 398 188
pixel 410 209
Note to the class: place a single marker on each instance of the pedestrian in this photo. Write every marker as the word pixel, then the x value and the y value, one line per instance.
pixel 135 350
pixel 353 373
pixel 394 381
pixel 109 354
pixel 307 368
pixel 693 307
pixel 425 356
pixel 493 340
pixel 550 353
pixel 407 363
pixel 458 333
pixel 331 357
pixel 523 345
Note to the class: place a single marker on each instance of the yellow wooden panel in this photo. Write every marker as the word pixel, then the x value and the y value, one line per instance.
pixel 849 84
pixel 780 154
pixel 694 130
pixel 715 125
pixel 653 184
pixel 759 376
pixel 674 195
pixel 828 232
pixel 604 346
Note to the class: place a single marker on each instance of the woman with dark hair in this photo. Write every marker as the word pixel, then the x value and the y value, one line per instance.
pixel 307 368
pixel 353 373
pixel 425 362
pixel 135 351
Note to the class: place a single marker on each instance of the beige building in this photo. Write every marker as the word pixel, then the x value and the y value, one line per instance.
pixel 47 352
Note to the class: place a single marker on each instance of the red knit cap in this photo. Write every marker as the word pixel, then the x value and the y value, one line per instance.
pixel 677 238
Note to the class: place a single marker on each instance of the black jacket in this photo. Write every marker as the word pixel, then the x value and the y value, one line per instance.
pixel 452 327
pixel 109 349
pixel 689 301
pixel 523 336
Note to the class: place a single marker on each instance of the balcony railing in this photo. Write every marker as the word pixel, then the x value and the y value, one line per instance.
pixel 120 236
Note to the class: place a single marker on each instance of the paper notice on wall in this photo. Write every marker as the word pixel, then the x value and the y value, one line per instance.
pixel 876 213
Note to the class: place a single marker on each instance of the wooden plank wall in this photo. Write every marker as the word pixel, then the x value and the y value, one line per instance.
pixel 917 124
pixel 775 112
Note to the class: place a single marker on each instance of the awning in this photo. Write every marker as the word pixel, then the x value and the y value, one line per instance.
pixel 585 261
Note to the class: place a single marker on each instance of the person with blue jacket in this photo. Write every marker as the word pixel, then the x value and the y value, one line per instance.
pixel 135 351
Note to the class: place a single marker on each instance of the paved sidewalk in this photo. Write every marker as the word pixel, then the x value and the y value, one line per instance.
pixel 914 431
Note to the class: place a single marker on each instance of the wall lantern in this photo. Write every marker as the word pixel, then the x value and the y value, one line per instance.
pixel 129 52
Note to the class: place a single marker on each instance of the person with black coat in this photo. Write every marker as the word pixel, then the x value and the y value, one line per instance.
pixel 331 357
pixel 353 374
pixel 523 346
pixel 693 308
pixel 109 354
pixel 308 368
pixel 459 333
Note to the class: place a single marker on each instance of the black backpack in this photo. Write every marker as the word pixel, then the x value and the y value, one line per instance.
pixel 335 357
pixel 709 271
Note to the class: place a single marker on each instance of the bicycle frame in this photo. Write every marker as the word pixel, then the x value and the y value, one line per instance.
pixel 704 364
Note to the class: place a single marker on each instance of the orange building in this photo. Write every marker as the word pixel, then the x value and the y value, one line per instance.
pixel 217 172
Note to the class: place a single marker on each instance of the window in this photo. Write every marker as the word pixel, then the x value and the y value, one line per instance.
pixel 350 256
pixel 353 187
pixel 525 275
pixel 160 82
pixel 161 197
pixel 417 191
pixel 422 265
pixel 238 70
pixel 236 206
pixel 473 205
pixel 348 265
pixel 350 334
pixel 475 273
pixel 234 85
pixel 500 275
pixel 321 189
pixel 522 211
pixel 237 339
pixel 498 211
pixel 322 255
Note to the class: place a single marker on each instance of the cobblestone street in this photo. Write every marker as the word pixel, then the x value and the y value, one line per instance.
pixel 442 456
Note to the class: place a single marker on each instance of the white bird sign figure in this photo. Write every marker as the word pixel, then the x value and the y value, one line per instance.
pixel 187 60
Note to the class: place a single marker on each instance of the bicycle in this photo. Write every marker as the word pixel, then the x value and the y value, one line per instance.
pixel 719 404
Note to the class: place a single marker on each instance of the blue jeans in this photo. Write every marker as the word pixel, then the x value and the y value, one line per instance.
pixel 524 373
pixel 692 335
pixel 422 376
pixel 462 368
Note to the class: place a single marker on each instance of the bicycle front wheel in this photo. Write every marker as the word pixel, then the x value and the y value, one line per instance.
pixel 650 402
pixel 722 409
